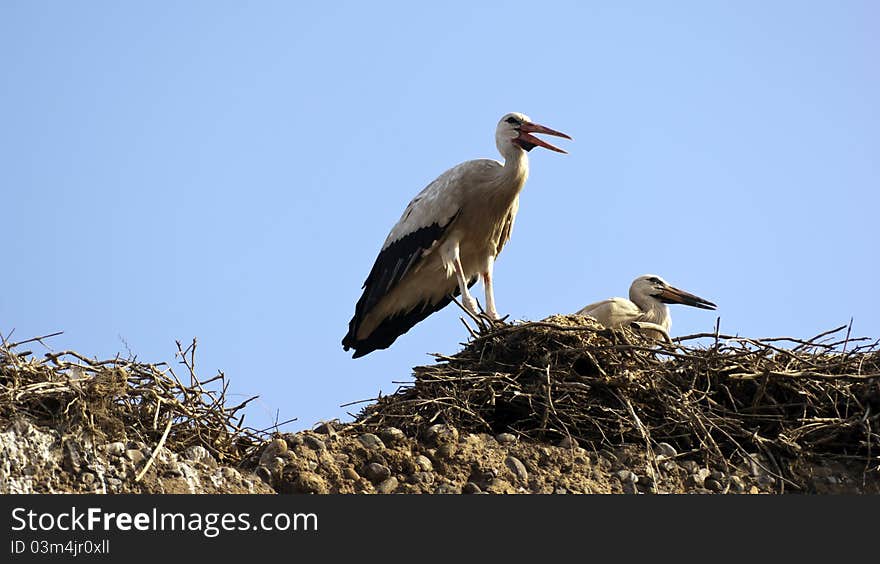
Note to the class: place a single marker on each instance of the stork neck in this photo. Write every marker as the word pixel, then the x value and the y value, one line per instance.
pixel 655 312
pixel 516 167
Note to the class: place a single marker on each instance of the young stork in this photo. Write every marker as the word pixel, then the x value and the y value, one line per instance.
pixel 447 237
pixel 646 307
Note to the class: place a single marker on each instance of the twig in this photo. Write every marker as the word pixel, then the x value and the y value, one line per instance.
pixel 160 444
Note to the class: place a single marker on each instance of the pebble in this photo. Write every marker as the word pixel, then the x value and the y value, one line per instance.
pixel 518 468
pixel 350 474
pixel 230 473
pixel 135 456
pixel 441 434
pixel 392 435
pixel 275 447
pixel 293 440
pixel 314 443
pixel 630 488
pixel 309 482
pixel 669 466
pixel 445 489
pixel 198 453
pixel 471 488
pixel 560 491
pixel 665 450
pixel 371 441
pixel 505 438
pixel 424 463
pixel 375 472
pixel 736 484
pixel 765 481
pixel 717 475
pixel 447 451
pixel 646 481
pixel 87 478
pixel 116 449
pixel 325 428
pixel 701 475
pixel 626 477
pixel 264 474
pixel 114 483
pixel 423 478
pixel 387 486
pixel 714 485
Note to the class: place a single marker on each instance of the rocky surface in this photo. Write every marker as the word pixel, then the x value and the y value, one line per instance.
pixel 339 459
pixel 35 459
pixel 446 461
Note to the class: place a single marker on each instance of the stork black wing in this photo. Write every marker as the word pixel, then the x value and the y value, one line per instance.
pixel 392 264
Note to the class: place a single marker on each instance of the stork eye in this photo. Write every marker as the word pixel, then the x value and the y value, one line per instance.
pixel 512 121
pixel 655 280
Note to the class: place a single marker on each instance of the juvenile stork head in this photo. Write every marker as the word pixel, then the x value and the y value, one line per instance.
pixel 650 289
pixel 514 132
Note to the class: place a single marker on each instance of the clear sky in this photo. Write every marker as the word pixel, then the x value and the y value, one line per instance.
pixel 229 170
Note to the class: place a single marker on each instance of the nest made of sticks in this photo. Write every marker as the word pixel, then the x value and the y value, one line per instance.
pixel 123 400
pixel 713 394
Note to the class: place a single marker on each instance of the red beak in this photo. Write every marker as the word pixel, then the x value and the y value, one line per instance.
pixel 528 141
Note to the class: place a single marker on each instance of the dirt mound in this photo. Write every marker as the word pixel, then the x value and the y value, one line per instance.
pixel 73 424
pixel 556 406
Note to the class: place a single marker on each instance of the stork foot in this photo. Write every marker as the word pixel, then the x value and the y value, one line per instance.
pixel 471 305
pixel 492 319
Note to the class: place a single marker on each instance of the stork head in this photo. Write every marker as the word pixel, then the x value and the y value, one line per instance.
pixel 651 287
pixel 515 130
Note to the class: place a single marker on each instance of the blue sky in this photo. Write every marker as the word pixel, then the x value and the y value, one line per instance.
pixel 229 170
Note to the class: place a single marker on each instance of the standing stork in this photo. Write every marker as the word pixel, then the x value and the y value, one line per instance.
pixel 447 237
pixel 646 306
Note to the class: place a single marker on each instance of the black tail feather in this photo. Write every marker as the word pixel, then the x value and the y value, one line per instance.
pixel 393 327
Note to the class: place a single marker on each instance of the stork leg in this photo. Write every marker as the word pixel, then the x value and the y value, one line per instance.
pixel 466 298
pixel 491 312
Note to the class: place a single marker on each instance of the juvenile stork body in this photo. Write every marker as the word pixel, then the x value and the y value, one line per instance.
pixel 447 238
pixel 646 306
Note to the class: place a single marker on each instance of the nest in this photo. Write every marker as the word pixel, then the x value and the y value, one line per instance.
pixel 719 396
pixel 93 401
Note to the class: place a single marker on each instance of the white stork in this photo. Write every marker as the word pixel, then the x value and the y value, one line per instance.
pixel 646 306
pixel 447 237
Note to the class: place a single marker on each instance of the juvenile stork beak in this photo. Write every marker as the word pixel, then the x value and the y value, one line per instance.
pixel 529 142
pixel 672 295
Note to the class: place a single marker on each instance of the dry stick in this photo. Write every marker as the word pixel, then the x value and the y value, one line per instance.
pixel 848 330
pixel 34 339
pixel 155 451
pixel 646 435
pixel 814 341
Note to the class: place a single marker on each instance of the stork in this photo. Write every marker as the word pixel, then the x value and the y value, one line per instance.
pixel 447 238
pixel 646 307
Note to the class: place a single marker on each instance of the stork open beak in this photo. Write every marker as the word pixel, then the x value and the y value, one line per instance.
pixel 672 295
pixel 529 142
